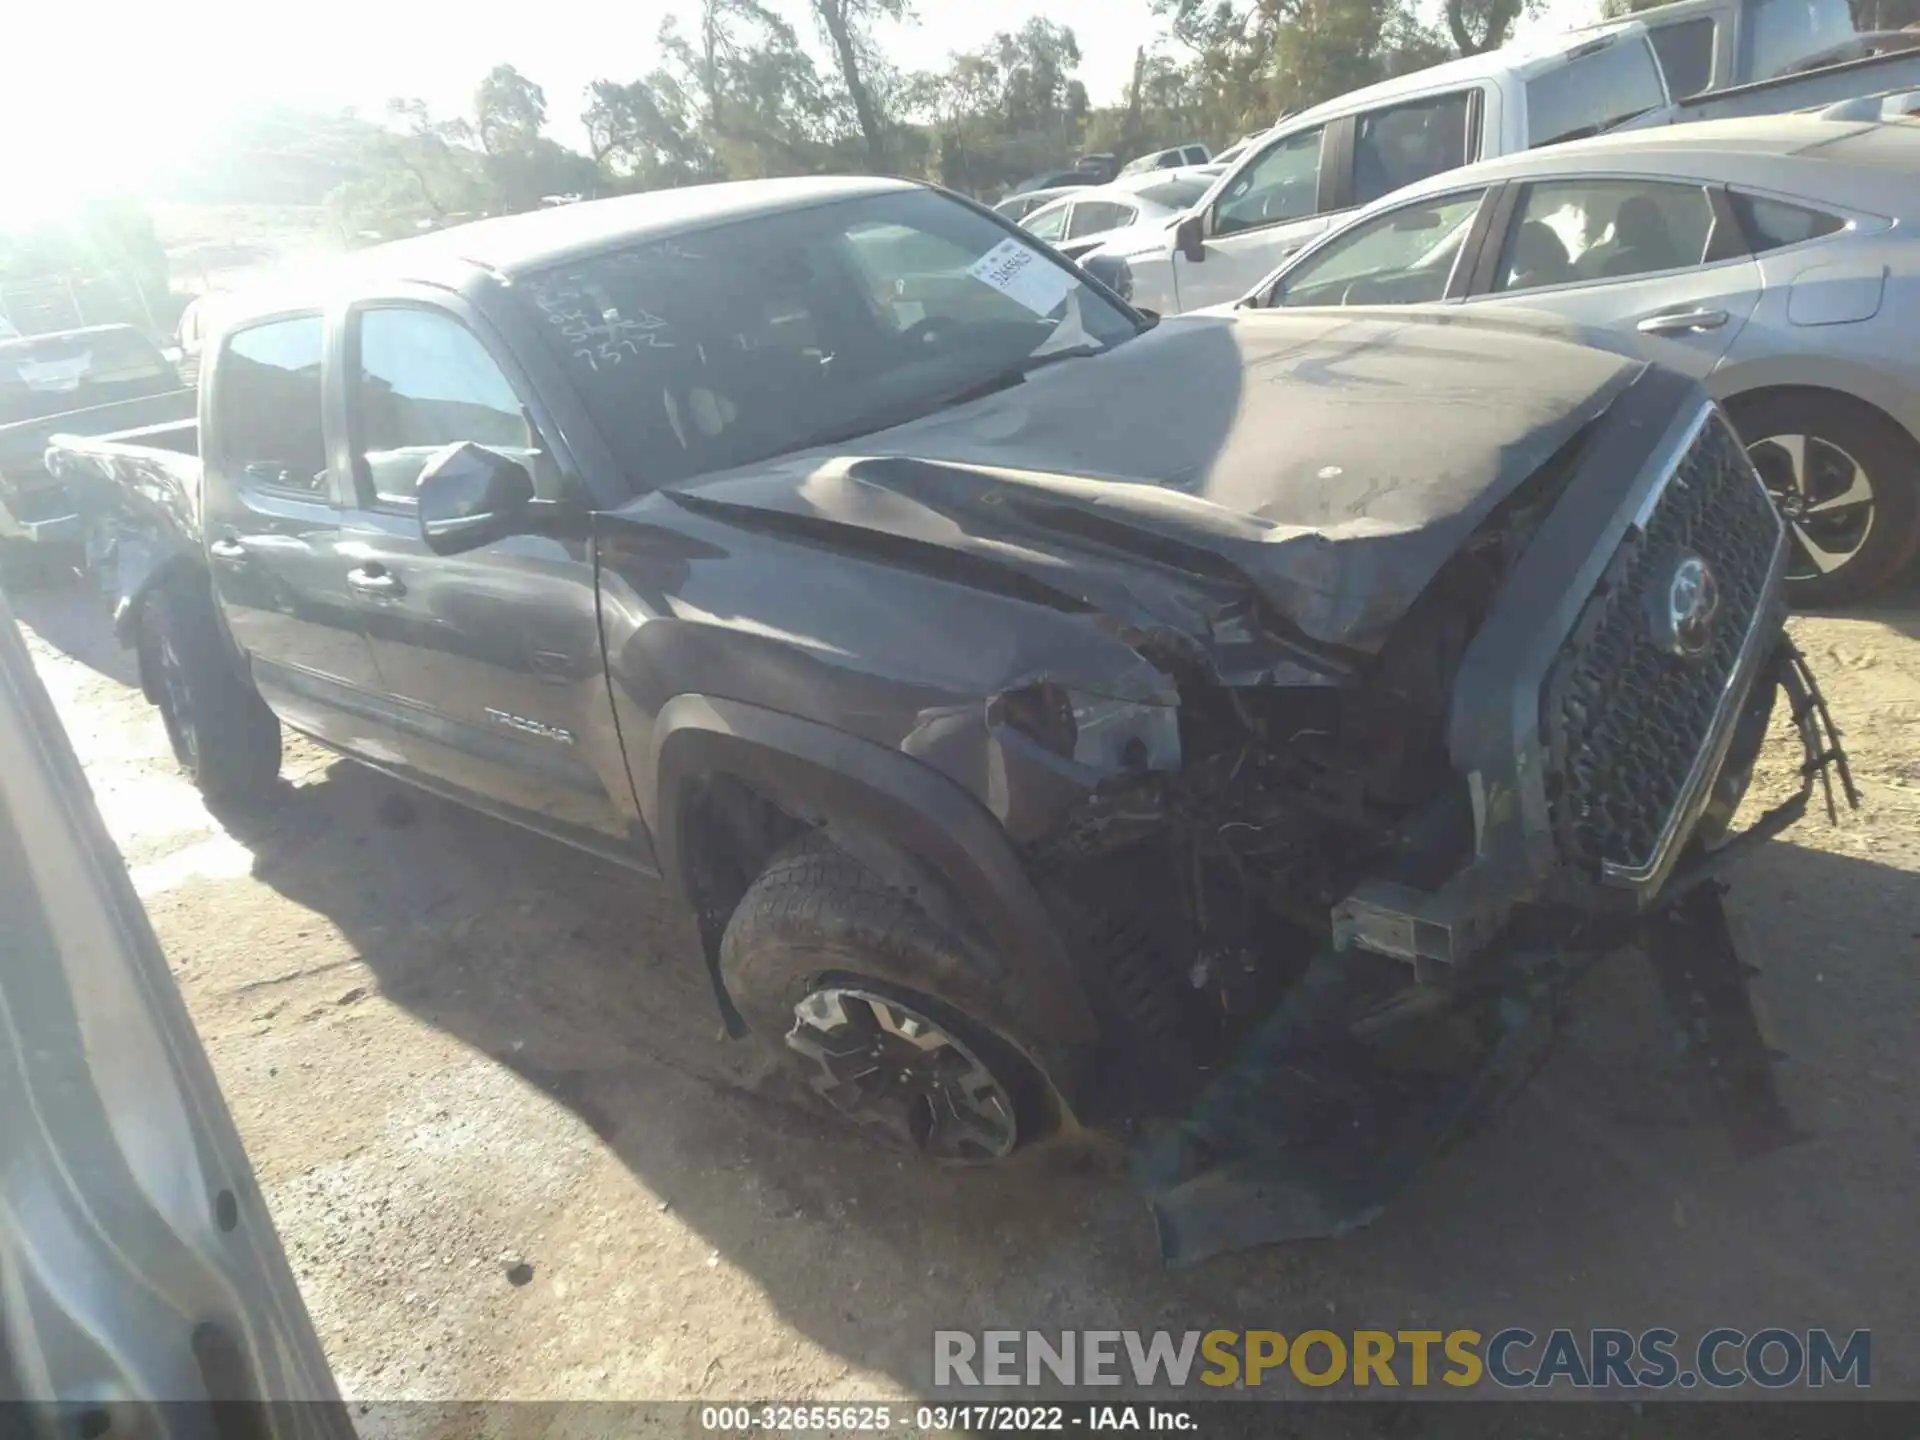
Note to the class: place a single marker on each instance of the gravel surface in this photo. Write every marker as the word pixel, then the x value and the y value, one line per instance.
pixel 511 1155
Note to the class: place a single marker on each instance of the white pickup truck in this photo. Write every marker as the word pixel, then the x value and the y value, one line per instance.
pixel 1290 184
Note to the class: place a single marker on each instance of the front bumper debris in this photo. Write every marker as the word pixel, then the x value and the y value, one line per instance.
pixel 1322 1120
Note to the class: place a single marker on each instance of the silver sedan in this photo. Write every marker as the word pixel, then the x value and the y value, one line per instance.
pixel 1775 257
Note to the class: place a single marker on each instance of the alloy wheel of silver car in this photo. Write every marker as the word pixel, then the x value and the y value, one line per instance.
pixel 883 1063
pixel 1826 496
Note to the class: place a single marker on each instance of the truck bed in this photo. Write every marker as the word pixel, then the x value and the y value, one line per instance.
pixel 136 494
pixel 30 493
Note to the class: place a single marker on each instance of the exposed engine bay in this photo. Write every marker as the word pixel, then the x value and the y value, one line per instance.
pixel 1291 1070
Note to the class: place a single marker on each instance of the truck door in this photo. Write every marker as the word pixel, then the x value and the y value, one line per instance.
pixel 272 522
pixel 495 688
pixel 1270 209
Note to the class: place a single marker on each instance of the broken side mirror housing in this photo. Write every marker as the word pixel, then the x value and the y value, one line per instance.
pixel 470 496
pixel 1190 237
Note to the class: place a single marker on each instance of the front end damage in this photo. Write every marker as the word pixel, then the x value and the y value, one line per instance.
pixel 1326 904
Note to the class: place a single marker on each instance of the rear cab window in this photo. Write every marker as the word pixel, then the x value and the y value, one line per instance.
pixel 1594 90
pixel 1406 143
pixel 1775 34
pixel 267 414
pixel 1686 51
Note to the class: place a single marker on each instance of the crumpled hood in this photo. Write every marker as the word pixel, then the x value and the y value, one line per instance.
pixel 1330 461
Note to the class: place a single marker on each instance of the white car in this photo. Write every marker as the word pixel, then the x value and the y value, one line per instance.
pixel 1176 157
pixel 1018 207
pixel 1291 182
pixel 1134 206
pixel 1773 258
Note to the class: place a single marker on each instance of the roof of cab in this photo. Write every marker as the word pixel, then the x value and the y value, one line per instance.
pixel 516 244
pixel 1522 58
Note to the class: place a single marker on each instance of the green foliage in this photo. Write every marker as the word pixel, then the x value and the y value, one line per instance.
pixel 738 93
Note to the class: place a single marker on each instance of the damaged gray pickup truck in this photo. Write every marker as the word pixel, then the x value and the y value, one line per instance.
pixel 1233 732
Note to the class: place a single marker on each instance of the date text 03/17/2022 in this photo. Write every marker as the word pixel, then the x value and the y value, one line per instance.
pixel 926 1419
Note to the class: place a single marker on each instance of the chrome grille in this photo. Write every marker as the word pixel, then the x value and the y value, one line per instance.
pixel 1625 719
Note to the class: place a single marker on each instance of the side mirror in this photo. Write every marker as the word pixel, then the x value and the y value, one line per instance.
pixel 470 496
pixel 1190 237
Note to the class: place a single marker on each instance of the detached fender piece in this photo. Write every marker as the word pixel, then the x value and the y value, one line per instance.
pixel 827 777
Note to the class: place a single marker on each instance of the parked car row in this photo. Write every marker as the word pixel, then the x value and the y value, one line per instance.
pixel 1558 175
pixel 1137 206
pixel 1774 259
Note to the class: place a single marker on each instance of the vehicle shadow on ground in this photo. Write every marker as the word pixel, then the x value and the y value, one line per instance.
pixel 69 616
pixel 1605 1195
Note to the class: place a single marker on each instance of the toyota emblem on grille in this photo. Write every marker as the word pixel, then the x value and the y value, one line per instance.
pixel 1684 623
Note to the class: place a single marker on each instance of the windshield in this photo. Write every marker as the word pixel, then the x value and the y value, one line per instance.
pixel 756 338
pixel 55 374
pixel 1593 91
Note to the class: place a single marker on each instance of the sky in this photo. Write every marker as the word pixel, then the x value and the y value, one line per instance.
pixel 156 78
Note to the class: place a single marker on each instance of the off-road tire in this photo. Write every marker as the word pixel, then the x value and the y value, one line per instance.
pixel 222 733
pixel 818 920
pixel 1884 451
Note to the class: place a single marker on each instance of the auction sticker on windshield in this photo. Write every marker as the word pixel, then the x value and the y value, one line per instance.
pixel 1024 276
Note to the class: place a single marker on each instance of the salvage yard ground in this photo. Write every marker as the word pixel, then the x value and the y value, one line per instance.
pixel 509 1154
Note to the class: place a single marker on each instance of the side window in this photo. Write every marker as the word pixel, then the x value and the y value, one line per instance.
pixel 267 414
pixel 1686 55
pixel 1574 230
pixel 1771 224
pixel 1283 184
pixel 424 381
pixel 1400 146
pixel 1090 217
pixel 1050 226
pixel 1404 257
pixel 1196 155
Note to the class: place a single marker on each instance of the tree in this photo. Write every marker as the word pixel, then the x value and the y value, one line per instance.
pixel 645 133
pixel 845 24
pixel 1481 25
pixel 510 111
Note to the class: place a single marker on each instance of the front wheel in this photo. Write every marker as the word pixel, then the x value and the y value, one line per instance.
pixel 868 1000
pixel 221 731
pixel 1847 481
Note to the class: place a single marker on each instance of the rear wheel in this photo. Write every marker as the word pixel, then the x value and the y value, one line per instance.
pixel 872 1003
pixel 1846 478
pixel 222 732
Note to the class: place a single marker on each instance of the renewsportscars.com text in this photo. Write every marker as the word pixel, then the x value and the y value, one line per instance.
pixel 1513 1358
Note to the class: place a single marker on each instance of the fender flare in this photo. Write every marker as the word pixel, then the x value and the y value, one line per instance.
pixel 142 566
pixel 827 777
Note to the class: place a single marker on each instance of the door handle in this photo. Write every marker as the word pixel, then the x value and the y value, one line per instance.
pixel 1678 322
pixel 376 580
pixel 231 551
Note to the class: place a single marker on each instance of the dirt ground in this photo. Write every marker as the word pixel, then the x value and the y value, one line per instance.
pixel 481 1080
